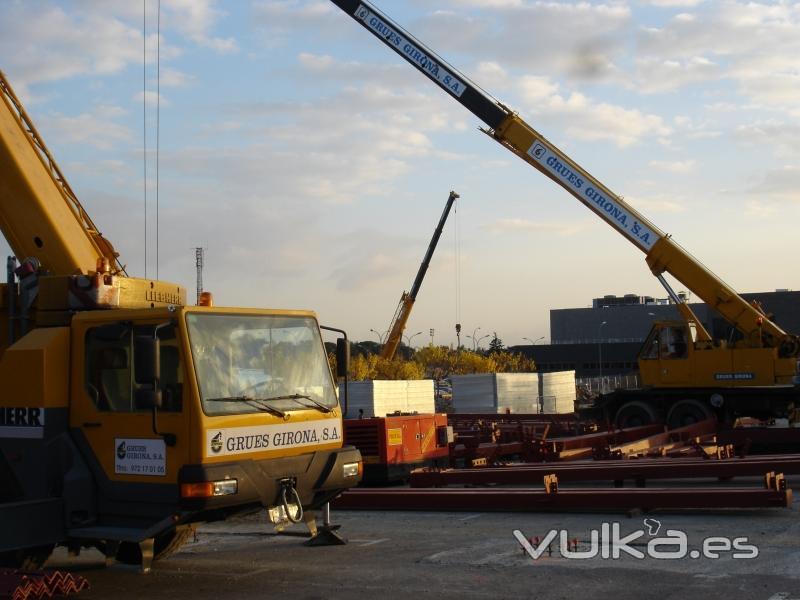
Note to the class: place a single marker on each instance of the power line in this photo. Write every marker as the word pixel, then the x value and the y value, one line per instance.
pixel 158 121
pixel 144 124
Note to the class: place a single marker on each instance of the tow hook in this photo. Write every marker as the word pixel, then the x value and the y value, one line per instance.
pixel 288 494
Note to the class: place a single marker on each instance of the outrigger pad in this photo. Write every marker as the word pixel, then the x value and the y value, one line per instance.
pixel 326 536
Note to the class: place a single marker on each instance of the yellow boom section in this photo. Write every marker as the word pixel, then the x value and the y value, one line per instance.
pixel 663 254
pixel 40 216
pixel 399 321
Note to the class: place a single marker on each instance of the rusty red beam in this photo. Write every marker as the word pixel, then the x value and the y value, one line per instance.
pixel 532 500
pixel 533 417
pixel 604 438
pixel 609 470
pixel 681 434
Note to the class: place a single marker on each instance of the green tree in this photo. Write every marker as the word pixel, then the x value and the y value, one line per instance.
pixel 496 345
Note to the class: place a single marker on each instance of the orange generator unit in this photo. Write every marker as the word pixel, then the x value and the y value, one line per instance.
pixel 392 446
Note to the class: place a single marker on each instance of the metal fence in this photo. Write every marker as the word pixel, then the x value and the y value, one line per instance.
pixel 608 383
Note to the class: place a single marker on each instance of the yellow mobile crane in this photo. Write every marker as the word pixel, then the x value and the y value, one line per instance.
pixel 687 375
pixel 127 416
pixel 407 299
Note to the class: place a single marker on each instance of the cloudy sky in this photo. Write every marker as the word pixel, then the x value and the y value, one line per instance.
pixel 312 163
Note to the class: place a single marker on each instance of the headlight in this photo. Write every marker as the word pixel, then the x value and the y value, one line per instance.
pixel 351 469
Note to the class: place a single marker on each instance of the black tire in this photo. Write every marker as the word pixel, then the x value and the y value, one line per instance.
pixel 26 559
pixel 635 414
pixel 165 545
pixel 687 412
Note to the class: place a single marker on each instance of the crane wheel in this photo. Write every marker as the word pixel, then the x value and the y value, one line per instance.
pixel 166 544
pixel 635 414
pixel 687 412
pixel 26 559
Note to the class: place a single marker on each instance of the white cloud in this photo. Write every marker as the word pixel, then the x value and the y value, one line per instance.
pixel 673 3
pixel 581 39
pixel 151 98
pixel 195 19
pixel 513 225
pixel 753 44
pixel 782 138
pixel 174 78
pixel 491 75
pixel 489 3
pixel 282 17
pixel 759 209
pixel 779 185
pixel 584 119
pixel 657 203
pixel 96 129
pixel 656 75
pixel 50 43
pixel 677 166
pixel 537 88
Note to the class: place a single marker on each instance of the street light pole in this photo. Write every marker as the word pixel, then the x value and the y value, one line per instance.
pixel 409 338
pixel 380 337
pixel 600 352
pixel 533 342
pixel 474 333
pixel 480 339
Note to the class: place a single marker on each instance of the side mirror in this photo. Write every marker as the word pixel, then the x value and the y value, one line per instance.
pixel 147 371
pixel 342 357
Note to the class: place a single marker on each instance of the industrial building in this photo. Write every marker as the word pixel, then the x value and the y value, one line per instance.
pixel 604 339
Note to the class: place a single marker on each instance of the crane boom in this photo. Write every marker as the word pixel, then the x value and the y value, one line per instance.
pixel 408 298
pixel 662 253
pixel 40 216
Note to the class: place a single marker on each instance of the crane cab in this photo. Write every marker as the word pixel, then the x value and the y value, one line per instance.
pixel 672 356
pixel 148 420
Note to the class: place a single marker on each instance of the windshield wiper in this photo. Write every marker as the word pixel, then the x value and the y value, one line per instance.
pixel 297 397
pixel 255 402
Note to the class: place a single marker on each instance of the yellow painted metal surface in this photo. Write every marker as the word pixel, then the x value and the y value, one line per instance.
pixel 77 293
pixel 104 429
pixel 708 365
pixel 35 370
pixel 399 321
pixel 39 215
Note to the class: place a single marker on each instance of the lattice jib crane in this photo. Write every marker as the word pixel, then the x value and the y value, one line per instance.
pixel 407 299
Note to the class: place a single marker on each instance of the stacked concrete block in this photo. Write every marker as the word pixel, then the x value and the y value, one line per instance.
pixel 557 391
pixel 496 393
pixel 378 398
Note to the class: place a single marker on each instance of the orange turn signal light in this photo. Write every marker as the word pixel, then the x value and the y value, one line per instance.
pixel 197 490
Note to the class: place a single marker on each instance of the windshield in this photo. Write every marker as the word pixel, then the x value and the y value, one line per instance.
pixel 264 363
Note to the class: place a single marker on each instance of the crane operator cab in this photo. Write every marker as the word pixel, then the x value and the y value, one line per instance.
pixel 667 353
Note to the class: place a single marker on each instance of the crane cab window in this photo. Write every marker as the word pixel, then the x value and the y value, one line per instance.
pixel 649 350
pixel 665 343
pixel 673 343
pixel 109 361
